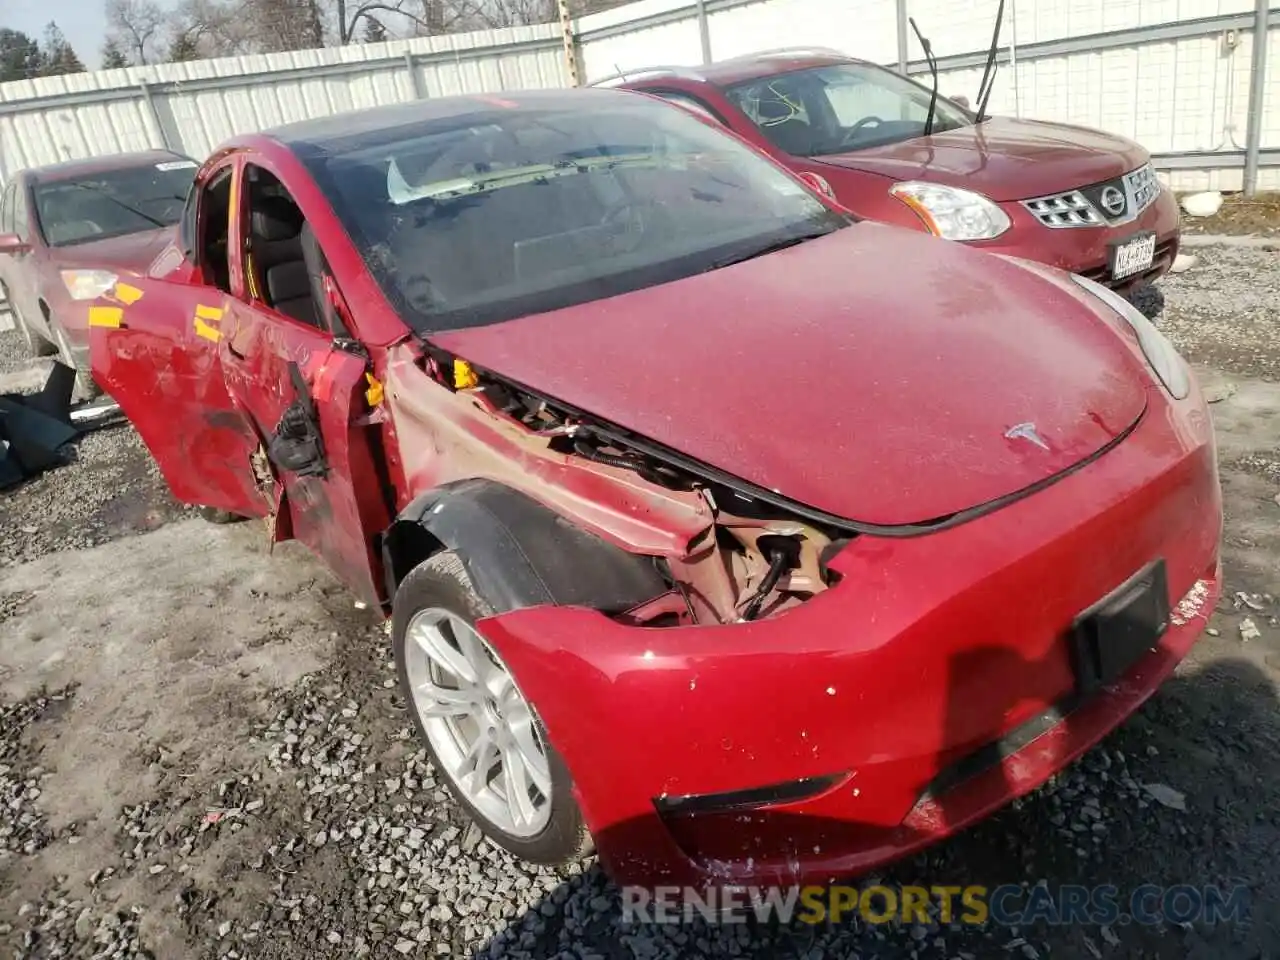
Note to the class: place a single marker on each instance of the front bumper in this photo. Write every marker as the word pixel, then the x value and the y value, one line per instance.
pixel 928 651
pixel 1086 250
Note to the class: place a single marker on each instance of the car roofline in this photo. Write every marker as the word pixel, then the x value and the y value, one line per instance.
pixel 648 73
pixel 107 162
pixel 810 55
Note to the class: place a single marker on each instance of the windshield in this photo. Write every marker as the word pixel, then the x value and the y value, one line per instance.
pixel 481 218
pixel 113 203
pixel 841 108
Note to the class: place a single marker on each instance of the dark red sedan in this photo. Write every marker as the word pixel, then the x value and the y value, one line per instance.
pixel 68 230
pixel 1068 196
pixel 723 532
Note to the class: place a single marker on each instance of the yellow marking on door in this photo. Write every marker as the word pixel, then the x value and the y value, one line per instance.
pixel 127 294
pixel 208 313
pixel 373 395
pixel 209 333
pixel 106 317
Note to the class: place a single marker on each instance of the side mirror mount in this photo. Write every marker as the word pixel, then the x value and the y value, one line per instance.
pixel 962 100
pixel 11 243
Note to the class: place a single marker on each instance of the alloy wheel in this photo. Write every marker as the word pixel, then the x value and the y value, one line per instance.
pixel 482 730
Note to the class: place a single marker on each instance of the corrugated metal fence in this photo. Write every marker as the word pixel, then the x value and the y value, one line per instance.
pixel 1172 74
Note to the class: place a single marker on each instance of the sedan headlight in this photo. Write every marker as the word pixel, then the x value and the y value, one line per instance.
pixel 952 213
pixel 1160 353
pixel 88 284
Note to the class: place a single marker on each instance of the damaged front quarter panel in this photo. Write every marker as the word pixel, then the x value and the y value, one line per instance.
pixel 454 424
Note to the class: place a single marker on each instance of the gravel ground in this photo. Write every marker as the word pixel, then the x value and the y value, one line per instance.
pixel 112 487
pixel 202 753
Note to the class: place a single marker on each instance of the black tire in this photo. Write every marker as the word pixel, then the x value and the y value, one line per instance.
pixel 1149 299
pixel 37 346
pixel 214 515
pixel 442 581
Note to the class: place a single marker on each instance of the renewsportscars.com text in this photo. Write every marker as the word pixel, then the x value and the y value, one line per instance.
pixel 1007 905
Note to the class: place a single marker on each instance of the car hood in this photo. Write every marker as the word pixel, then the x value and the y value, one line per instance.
pixel 1003 158
pixel 133 251
pixel 874 374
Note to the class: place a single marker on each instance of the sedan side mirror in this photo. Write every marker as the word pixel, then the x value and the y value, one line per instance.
pixel 12 243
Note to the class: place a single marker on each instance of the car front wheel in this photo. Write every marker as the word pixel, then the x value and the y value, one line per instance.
pixel 484 737
pixel 37 346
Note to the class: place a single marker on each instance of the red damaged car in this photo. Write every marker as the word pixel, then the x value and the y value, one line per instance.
pixel 719 530
pixel 892 150
pixel 67 229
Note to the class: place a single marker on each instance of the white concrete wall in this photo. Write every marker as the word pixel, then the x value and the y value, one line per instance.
pixel 1188 94
pixel 38 125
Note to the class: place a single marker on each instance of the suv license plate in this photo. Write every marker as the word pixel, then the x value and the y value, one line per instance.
pixel 1133 255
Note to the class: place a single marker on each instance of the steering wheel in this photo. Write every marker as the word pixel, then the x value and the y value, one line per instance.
pixel 857 127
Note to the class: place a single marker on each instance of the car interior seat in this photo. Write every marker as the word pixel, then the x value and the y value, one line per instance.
pixel 276 226
pixel 781 124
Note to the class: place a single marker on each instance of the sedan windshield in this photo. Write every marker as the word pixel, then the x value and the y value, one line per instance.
pixel 841 108
pixel 477 219
pixel 113 203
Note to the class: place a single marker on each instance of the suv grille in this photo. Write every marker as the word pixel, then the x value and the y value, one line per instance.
pixel 1108 203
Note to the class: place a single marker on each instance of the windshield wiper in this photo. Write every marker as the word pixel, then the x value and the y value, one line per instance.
pixel 118 202
pixel 989 72
pixel 402 192
pixel 792 240
pixel 932 61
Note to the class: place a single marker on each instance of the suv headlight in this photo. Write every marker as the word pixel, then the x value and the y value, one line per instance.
pixel 952 213
pixel 88 284
pixel 1160 353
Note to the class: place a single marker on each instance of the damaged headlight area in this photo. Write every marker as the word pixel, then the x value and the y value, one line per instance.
pixel 88 284
pixel 1163 357
pixel 756 560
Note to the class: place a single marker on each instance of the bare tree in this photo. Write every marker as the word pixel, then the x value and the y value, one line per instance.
pixel 350 14
pixel 431 17
pixel 135 26
pixel 517 13
pixel 212 28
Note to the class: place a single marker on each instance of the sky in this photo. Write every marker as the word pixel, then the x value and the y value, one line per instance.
pixel 83 22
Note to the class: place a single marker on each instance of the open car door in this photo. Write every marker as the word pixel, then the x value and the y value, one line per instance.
pixel 153 348
pixel 291 366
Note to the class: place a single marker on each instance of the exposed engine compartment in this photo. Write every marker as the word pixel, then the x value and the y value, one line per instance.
pixel 754 560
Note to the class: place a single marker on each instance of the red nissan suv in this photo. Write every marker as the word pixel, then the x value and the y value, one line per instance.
pixel 893 150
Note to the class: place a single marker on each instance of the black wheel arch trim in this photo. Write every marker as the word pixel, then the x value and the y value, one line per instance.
pixel 518 552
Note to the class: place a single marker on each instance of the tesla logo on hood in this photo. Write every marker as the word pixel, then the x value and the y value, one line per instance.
pixel 1026 431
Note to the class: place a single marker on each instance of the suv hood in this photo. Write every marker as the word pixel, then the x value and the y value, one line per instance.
pixel 1003 158
pixel 133 251
pixel 872 374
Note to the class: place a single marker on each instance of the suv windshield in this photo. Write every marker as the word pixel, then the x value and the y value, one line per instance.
pixel 841 108
pixel 113 203
pixel 483 217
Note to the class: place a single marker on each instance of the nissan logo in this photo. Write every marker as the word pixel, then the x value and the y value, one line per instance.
pixel 1112 201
